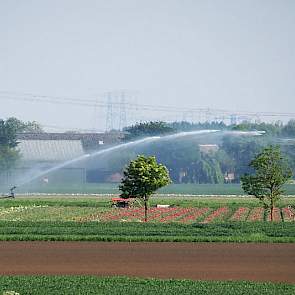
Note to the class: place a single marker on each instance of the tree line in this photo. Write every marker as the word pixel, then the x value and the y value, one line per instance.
pixel 160 128
pixel 185 159
pixel 188 163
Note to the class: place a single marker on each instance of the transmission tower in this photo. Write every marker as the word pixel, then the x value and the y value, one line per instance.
pixel 109 118
pixel 122 113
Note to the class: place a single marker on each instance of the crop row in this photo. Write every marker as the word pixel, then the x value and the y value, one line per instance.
pixel 191 215
pixel 147 231
pixel 203 214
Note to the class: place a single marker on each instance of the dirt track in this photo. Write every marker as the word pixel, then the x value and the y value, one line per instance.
pixel 202 261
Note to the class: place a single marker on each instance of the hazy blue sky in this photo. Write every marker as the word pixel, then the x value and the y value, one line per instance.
pixel 229 54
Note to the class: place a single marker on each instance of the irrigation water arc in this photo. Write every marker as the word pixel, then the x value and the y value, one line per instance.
pixel 146 140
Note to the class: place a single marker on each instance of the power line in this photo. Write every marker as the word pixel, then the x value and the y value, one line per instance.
pixel 93 102
pixel 207 112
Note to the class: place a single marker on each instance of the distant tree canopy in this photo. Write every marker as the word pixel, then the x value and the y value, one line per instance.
pixel 289 151
pixel 185 162
pixel 289 129
pixel 8 140
pixel 241 150
pixel 189 126
pixel 8 143
pixel 24 127
pixel 188 164
pixel 160 128
pixel 8 132
pixel 147 129
pixel 270 129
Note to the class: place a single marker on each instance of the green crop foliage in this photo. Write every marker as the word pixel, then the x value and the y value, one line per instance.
pixel 159 232
pixel 78 220
pixel 47 285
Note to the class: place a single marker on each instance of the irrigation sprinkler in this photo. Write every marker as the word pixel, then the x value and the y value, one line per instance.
pixel 10 194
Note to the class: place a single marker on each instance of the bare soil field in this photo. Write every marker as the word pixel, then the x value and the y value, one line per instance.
pixel 197 261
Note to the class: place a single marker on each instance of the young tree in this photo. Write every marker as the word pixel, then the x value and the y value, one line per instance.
pixel 142 177
pixel 271 173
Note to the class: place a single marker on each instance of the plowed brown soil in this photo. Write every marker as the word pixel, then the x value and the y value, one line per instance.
pixel 198 261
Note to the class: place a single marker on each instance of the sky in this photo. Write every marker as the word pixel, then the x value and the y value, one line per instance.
pixel 181 55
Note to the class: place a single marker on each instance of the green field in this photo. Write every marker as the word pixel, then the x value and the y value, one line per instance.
pixel 112 188
pixel 62 218
pixel 72 219
pixel 136 232
pixel 47 285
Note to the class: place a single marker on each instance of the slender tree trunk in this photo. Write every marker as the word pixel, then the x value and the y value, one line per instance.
pixel 271 210
pixel 145 209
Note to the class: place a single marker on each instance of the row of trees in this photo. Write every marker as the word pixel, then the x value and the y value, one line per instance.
pixel 277 129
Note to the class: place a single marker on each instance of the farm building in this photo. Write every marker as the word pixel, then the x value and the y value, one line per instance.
pixel 45 154
pixel 90 141
pixel 42 151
